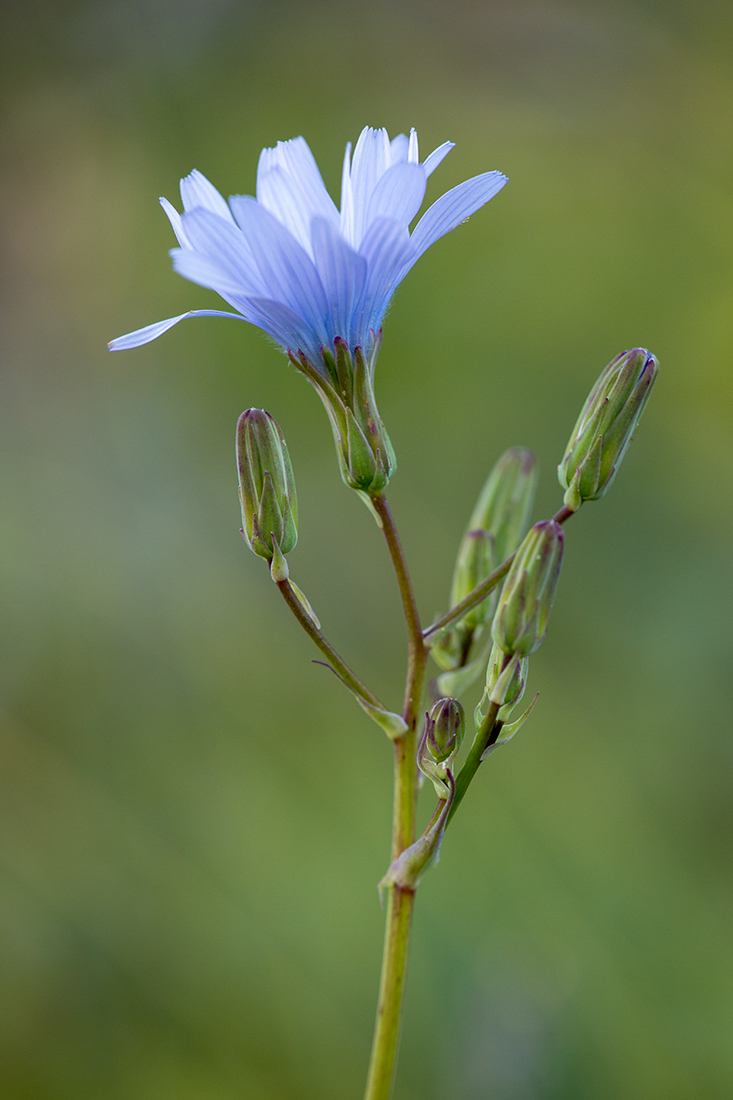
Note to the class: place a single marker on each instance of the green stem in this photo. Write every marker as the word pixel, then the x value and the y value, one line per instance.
pixel 475 596
pixel 403 832
pixel 401 900
pixel 391 989
pixel 350 679
pixel 485 736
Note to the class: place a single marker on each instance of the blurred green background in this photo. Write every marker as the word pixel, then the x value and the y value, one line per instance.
pixel 193 816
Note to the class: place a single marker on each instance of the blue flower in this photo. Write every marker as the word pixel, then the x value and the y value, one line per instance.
pixel 288 261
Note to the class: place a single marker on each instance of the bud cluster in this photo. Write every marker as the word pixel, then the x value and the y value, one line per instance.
pixel 497 525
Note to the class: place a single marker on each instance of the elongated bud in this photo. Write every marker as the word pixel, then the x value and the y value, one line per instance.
pixel 505 503
pixel 606 425
pixel 524 607
pixel 441 739
pixel 266 485
pixel 477 558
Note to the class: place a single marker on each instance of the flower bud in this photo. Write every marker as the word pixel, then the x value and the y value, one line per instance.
pixel 506 500
pixel 606 425
pixel 266 485
pixel 441 739
pixel 524 607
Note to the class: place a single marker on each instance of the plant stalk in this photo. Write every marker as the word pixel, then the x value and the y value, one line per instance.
pixel 400 901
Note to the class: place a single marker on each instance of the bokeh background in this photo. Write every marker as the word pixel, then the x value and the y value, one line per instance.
pixel 193 816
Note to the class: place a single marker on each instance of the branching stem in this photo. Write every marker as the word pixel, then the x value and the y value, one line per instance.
pixel 481 591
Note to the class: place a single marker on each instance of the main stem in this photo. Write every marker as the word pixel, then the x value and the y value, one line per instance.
pixel 400 903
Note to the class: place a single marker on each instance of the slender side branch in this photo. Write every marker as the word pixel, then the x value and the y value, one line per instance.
pixel 475 596
pixel 350 679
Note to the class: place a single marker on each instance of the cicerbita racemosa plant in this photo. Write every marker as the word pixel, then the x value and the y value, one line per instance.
pixel 318 280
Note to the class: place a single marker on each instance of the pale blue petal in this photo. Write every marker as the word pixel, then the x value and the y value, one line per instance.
pixel 431 163
pixel 284 326
pixel 225 244
pixel 347 198
pixel 175 219
pixel 204 271
pixel 287 272
pixel 398 194
pixel 343 273
pixel 197 191
pixel 152 332
pixel 298 163
pixel 281 195
pixel 413 152
pixel 389 252
pixel 372 158
pixel 454 207
pixel 399 147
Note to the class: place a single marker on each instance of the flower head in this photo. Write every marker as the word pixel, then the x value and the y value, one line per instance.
pixel 289 262
pixel 316 279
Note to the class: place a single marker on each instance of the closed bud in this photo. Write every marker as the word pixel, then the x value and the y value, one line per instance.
pixel 506 500
pixel 606 425
pixel 441 739
pixel 524 607
pixel 266 486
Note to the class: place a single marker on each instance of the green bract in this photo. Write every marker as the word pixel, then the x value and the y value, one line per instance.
pixel 345 383
pixel 266 486
pixel 606 425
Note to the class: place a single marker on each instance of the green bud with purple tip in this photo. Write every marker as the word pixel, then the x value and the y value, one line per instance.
pixel 606 426
pixel 442 736
pixel 266 486
pixel 526 599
